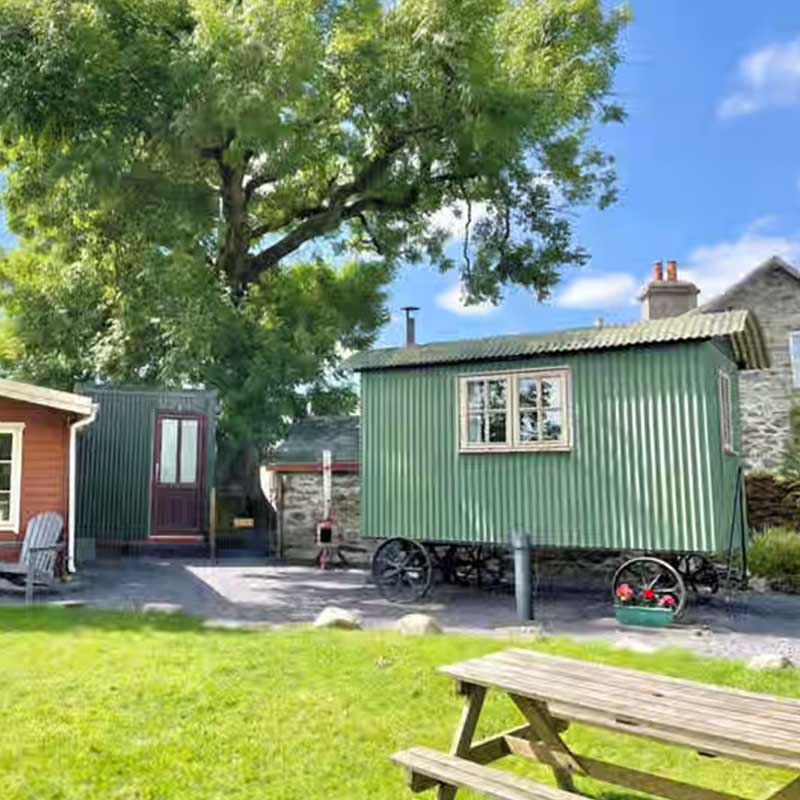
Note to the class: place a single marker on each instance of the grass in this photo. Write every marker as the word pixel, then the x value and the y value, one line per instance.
pixel 122 707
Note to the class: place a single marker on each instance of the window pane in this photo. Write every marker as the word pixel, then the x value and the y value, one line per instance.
pixel 795 350
pixel 497 428
pixel 497 394
pixel 475 395
pixel 475 428
pixel 529 426
pixel 169 450
pixel 5 477
pixel 528 392
pixel 551 393
pixel 5 506
pixel 6 440
pixel 551 426
pixel 189 429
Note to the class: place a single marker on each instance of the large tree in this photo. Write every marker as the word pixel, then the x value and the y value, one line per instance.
pixel 217 191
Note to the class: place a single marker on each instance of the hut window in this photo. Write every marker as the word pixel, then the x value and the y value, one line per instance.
pixel 725 412
pixel 10 474
pixel 794 350
pixel 521 410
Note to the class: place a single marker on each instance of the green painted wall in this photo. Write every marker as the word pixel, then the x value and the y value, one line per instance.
pixel 646 470
pixel 115 456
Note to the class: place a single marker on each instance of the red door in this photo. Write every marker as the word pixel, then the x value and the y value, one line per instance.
pixel 178 473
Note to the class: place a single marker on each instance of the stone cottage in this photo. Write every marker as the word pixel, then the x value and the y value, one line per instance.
pixel 772 292
pixel 294 479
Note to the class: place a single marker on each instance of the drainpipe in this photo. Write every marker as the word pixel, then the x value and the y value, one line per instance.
pixel 73 437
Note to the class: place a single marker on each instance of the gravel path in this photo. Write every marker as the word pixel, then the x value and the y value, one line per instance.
pixel 245 593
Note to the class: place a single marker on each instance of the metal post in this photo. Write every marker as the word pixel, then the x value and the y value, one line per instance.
pixel 521 544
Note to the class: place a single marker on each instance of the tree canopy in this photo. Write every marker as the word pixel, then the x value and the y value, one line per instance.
pixel 218 191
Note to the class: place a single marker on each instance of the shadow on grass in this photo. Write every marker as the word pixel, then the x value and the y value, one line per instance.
pixel 39 619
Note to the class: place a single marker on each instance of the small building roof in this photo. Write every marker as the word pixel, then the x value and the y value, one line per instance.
pixel 308 437
pixel 52 398
pixel 741 328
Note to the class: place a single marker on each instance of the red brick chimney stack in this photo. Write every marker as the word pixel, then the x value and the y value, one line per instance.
pixel 658 271
pixel 672 271
pixel 667 298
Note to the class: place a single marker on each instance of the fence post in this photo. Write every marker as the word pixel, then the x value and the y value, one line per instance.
pixel 521 545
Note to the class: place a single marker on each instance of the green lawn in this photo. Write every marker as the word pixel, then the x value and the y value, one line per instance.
pixel 120 707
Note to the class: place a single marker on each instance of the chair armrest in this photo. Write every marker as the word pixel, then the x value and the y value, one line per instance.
pixel 47 548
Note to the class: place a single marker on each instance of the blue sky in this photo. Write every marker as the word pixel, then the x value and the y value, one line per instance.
pixel 709 170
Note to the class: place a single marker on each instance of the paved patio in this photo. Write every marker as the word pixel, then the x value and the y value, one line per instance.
pixel 737 627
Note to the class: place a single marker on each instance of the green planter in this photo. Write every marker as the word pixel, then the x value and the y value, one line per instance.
pixel 643 616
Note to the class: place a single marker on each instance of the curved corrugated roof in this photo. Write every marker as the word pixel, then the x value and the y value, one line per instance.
pixel 741 328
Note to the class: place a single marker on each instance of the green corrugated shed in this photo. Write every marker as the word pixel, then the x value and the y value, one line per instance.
pixel 646 469
pixel 308 437
pixel 115 459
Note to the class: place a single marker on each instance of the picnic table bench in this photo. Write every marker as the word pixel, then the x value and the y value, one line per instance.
pixel 552 692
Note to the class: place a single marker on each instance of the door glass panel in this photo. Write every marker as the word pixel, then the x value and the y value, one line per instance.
pixel 5 477
pixel 5 506
pixel 189 430
pixel 6 440
pixel 169 451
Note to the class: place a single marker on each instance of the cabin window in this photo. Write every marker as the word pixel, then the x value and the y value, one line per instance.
pixel 725 412
pixel 794 350
pixel 521 410
pixel 10 474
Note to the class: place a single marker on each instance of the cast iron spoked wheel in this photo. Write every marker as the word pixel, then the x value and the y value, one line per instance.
pixel 402 570
pixel 700 575
pixel 646 572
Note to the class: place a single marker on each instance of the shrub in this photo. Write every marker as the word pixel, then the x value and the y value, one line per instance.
pixel 774 554
pixel 791 461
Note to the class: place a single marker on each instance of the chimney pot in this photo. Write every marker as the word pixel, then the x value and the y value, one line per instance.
pixel 672 271
pixel 658 271
pixel 411 338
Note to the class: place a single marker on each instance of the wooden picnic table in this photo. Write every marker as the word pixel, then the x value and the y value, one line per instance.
pixel 552 692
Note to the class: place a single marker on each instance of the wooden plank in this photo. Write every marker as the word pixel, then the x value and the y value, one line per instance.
pixel 460 773
pixel 465 731
pixel 625 776
pixel 554 752
pixel 725 739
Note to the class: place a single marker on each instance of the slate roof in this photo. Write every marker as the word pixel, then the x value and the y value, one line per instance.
pixel 308 437
pixel 723 301
pixel 740 327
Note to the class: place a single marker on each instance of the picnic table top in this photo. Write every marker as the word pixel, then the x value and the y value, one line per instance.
pixel 716 721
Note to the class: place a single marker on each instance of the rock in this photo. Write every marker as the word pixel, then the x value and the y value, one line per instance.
pixel 333 617
pixel 770 661
pixel 633 645
pixel 759 585
pixel 521 632
pixel 419 625
pixel 162 608
pixel 67 603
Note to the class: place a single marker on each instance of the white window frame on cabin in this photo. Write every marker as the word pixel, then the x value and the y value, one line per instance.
pixel 794 357
pixel 513 409
pixel 15 429
pixel 725 412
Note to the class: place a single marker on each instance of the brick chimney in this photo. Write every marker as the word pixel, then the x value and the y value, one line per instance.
pixel 667 298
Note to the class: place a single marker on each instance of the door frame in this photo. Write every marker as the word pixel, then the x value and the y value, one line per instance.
pixel 155 462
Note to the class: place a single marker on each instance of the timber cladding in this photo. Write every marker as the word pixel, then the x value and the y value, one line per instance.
pixel 645 469
pixel 45 462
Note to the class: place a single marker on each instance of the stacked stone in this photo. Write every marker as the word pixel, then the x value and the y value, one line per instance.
pixel 772 502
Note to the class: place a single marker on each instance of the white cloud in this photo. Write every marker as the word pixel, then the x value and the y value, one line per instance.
pixel 453 300
pixel 452 219
pixel 715 267
pixel 599 292
pixel 766 78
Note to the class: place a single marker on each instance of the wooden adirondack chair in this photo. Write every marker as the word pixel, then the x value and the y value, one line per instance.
pixel 39 554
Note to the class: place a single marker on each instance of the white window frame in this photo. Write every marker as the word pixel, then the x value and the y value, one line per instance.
pixel 725 412
pixel 513 441
pixel 15 429
pixel 794 357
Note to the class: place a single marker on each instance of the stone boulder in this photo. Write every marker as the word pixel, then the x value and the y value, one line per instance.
pixel 419 625
pixel 770 661
pixel 333 617
pixel 162 608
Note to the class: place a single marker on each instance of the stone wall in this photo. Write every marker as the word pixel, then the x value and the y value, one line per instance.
pixel 767 395
pixel 303 510
pixel 772 502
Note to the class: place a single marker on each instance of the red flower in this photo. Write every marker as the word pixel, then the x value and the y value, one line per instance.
pixel 667 601
pixel 649 594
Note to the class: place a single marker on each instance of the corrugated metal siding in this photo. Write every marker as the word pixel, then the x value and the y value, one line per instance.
pixel 115 459
pixel 645 471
